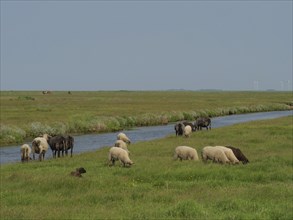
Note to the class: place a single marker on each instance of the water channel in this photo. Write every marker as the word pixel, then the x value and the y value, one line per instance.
pixel 92 142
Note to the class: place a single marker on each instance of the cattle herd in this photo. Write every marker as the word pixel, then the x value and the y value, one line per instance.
pixel 61 144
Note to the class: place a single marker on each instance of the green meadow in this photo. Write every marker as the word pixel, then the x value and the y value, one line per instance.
pixel 156 186
pixel 27 114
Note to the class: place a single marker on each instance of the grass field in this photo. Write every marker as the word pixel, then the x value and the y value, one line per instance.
pixel 157 187
pixel 25 115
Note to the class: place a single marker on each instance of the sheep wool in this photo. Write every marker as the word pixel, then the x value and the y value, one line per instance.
pixel 123 145
pixel 123 137
pixel 25 151
pixel 187 131
pixel 116 153
pixel 185 153
pixel 229 153
pixel 215 154
pixel 40 146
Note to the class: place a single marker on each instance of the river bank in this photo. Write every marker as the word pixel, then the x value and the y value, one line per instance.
pixel 25 115
pixel 91 142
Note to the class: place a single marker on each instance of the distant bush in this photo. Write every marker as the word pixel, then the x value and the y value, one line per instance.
pixel 38 129
pixel 89 123
pixel 11 134
pixel 43 108
pixel 26 98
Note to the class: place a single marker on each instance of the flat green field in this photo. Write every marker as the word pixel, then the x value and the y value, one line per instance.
pixel 25 115
pixel 156 186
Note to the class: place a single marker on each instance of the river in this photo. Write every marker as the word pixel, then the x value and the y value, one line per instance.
pixel 92 142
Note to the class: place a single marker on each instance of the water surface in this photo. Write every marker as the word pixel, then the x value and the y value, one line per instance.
pixel 92 142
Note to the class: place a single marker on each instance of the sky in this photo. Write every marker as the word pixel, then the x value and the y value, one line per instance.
pixel 146 45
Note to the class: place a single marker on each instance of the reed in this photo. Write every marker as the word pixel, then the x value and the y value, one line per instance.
pixel 86 112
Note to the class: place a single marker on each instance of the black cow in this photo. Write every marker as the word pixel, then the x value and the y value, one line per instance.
pixel 57 144
pixel 203 122
pixel 69 142
pixel 179 127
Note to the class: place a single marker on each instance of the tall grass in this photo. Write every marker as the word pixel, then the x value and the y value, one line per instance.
pixel 112 111
pixel 156 186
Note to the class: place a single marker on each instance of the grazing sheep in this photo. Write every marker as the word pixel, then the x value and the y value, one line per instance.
pixel 123 137
pixel 187 131
pixel 229 153
pixel 203 122
pixel 40 146
pixel 239 155
pixel 121 144
pixel 78 172
pixel 185 153
pixel 25 151
pixel 214 154
pixel 179 127
pixel 116 153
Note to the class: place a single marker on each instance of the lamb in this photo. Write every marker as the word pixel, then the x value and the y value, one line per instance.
pixel 25 151
pixel 214 154
pixel 78 172
pixel 116 153
pixel 238 154
pixel 121 144
pixel 187 131
pixel 123 137
pixel 229 153
pixel 40 146
pixel 185 153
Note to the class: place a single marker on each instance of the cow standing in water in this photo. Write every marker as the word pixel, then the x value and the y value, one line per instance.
pixel 203 122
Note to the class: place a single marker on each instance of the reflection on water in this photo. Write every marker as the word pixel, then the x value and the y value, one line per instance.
pixel 93 142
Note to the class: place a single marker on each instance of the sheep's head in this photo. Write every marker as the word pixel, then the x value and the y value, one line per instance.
pixel 46 136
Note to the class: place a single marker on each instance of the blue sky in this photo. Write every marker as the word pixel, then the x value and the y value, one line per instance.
pixel 146 45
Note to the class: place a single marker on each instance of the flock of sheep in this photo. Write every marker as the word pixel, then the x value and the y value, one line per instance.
pixel 218 154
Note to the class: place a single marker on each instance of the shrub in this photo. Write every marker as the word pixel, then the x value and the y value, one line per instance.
pixel 11 134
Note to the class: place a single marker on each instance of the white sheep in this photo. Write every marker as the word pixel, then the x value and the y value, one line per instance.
pixel 116 153
pixel 123 137
pixel 121 144
pixel 25 151
pixel 40 146
pixel 185 153
pixel 229 153
pixel 214 154
pixel 187 130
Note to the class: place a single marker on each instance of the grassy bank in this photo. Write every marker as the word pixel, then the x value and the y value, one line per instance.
pixel 25 115
pixel 157 187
